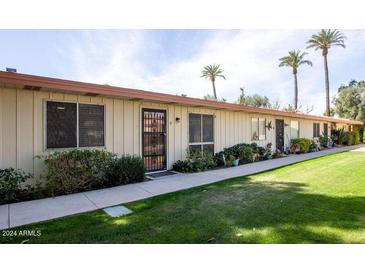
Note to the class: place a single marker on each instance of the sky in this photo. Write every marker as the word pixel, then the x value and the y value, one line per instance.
pixel 171 61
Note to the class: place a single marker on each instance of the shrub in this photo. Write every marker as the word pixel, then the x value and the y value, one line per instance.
pixel 314 147
pixel 323 140
pixel 182 166
pixel 347 138
pixel 10 184
pixel 202 160
pixel 125 170
pixel 196 161
pixel 356 133
pixel 75 170
pixel 81 170
pixel 302 144
pixel 219 158
pixel 247 155
pixel 338 136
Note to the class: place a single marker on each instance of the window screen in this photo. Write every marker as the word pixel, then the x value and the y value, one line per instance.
pixel 61 125
pixel 207 128
pixel 91 125
pixel 194 128
pixel 294 129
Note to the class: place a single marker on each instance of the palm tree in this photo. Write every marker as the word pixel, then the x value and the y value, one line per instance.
pixel 212 72
pixel 323 41
pixel 294 60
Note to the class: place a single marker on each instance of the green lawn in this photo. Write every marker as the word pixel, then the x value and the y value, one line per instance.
pixel 317 201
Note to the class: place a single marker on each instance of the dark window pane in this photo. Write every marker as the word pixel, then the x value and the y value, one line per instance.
pixel 61 125
pixel 194 128
pixel 325 129
pixel 316 130
pixel 209 148
pixel 195 148
pixel 91 125
pixel 208 128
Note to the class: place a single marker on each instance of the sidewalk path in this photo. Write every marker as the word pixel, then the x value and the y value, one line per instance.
pixel 23 213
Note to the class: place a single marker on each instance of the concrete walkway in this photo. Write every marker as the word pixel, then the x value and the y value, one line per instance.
pixel 23 213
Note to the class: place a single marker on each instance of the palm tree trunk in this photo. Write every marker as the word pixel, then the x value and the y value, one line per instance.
pixel 295 91
pixel 327 83
pixel 214 91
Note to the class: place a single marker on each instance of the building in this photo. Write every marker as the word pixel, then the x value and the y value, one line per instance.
pixel 39 115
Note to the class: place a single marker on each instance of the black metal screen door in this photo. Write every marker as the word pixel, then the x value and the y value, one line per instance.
pixel 279 124
pixel 154 139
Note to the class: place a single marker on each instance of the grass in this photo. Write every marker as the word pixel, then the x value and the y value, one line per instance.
pixel 316 201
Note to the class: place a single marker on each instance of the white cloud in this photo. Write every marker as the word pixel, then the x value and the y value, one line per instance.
pixel 249 58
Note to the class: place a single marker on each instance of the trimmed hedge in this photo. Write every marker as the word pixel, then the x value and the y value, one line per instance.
pixel 77 170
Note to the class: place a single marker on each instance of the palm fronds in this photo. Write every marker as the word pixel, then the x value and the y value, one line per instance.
pixel 326 38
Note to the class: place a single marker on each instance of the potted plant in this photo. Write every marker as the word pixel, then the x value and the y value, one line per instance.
pixel 235 162
pixel 229 160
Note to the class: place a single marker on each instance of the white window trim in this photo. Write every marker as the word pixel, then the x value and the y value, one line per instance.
pixel 258 129
pixel 201 130
pixel 77 125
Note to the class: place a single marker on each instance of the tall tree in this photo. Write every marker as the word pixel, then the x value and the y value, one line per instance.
pixel 211 72
pixel 350 101
pixel 323 41
pixel 294 60
pixel 255 100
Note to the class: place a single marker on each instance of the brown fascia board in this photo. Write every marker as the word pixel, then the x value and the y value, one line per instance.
pixel 113 91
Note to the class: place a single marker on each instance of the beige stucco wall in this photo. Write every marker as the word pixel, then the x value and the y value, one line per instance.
pixel 22 126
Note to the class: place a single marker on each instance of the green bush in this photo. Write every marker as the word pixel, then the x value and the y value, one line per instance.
pixel 183 166
pixel 347 138
pixel 75 170
pixel 302 143
pixel 323 140
pixel 247 155
pixel 313 147
pixel 196 161
pixel 357 134
pixel 338 136
pixel 125 170
pixel 219 158
pixel 10 184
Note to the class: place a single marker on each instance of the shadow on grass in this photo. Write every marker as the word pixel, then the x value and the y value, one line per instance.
pixel 234 211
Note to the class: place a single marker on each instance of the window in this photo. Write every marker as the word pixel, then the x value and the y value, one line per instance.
pixel 294 129
pixel 258 129
pixel 333 128
pixel 201 132
pixel 91 125
pixel 74 125
pixel 325 129
pixel 61 125
pixel 316 129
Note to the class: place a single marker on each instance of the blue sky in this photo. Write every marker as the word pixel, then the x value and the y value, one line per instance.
pixel 171 60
